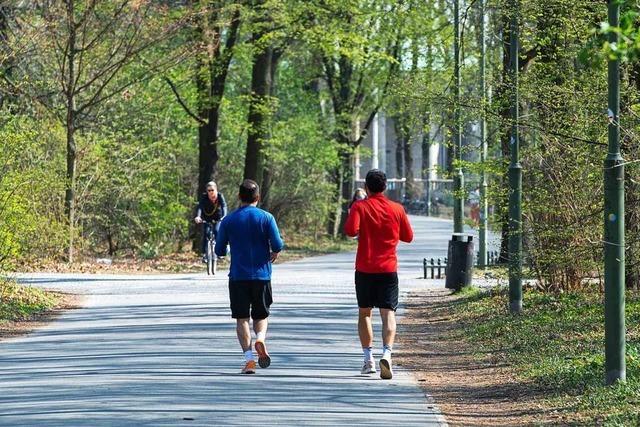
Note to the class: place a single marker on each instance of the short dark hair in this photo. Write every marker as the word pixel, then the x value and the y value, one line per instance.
pixel 249 191
pixel 376 181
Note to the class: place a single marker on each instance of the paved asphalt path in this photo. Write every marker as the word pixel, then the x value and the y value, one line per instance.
pixel 160 350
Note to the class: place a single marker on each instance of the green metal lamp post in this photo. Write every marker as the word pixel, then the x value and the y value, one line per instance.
pixel 484 210
pixel 614 245
pixel 458 179
pixel 515 175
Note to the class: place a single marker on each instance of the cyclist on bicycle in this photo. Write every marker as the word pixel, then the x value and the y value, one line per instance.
pixel 211 209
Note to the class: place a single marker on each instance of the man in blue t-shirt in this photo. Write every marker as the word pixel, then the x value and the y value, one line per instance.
pixel 255 243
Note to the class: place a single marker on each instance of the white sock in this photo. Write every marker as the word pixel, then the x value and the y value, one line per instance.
pixel 368 354
pixel 248 355
pixel 386 351
pixel 261 336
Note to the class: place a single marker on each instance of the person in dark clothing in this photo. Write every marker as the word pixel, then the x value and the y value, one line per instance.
pixel 358 194
pixel 211 209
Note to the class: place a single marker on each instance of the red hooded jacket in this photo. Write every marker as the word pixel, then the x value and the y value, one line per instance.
pixel 379 224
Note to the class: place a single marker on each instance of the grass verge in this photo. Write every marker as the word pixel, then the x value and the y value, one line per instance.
pixel 21 303
pixel 557 346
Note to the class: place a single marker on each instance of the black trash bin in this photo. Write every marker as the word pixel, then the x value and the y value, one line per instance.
pixel 460 261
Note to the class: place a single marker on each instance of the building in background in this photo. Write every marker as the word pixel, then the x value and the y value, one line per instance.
pixel 432 188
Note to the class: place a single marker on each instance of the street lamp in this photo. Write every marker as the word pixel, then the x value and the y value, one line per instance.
pixel 614 263
pixel 515 174
pixel 484 211
pixel 458 178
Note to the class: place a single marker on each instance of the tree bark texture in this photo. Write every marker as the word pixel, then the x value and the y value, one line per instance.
pixel 258 119
pixel 267 174
pixel 5 13
pixel 400 128
pixel 344 188
pixel 426 147
pixel 210 92
pixel 210 79
pixel 411 190
pixel 69 200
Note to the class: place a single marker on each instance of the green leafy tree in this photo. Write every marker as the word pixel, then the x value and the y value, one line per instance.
pixel 213 39
pixel 76 67
pixel 359 45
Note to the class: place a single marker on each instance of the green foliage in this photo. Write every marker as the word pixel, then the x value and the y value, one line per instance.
pixel 21 303
pixel 628 47
pixel 556 346
pixel 30 190
pixel 136 186
pixel 341 60
pixel 563 136
pixel 300 152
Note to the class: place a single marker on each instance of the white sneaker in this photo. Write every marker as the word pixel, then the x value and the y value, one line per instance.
pixel 369 367
pixel 386 373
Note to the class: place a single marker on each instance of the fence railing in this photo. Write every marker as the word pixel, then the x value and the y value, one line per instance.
pixel 437 267
pixel 434 265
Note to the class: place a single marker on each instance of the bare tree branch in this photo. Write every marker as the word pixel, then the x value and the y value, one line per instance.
pixel 182 103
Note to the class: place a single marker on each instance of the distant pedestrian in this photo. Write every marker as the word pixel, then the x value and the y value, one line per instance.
pixel 255 243
pixel 380 225
pixel 358 194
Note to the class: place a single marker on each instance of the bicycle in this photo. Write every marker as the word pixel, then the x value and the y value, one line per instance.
pixel 212 260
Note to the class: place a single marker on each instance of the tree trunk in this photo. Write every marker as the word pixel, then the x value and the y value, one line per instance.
pixel 208 132
pixel 404 156
pixel 400 144
pixel 502 94
pixel 207 153
pixel 210 95
pixel 410 185
pixel 69 200
pixel 7 64
pixel 258 111
pixel 344 189
pixel 112 245
pixel 267 175
pixel 426 146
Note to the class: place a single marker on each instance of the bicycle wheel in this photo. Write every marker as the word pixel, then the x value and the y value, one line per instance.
pixel 215 258
pixel 211 259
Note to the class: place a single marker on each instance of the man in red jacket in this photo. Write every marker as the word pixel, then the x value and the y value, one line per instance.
pixel 379 224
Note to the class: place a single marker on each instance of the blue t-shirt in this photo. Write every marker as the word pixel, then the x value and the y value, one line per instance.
pixel 252 234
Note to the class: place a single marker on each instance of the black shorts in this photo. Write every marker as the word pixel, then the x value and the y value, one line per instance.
pixel 250 297
pixel 377 290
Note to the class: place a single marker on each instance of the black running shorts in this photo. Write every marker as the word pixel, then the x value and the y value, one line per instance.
pixel 250 297
pixel 377 290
